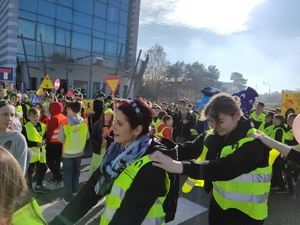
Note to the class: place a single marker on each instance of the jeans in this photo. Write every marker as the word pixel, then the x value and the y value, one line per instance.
pixel 71 168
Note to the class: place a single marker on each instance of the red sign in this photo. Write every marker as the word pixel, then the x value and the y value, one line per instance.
pixel 56 84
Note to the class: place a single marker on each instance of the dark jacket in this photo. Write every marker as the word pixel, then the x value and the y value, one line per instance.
pixel 244 159
pixel 136 203
pixel 96 138
pixel 180 129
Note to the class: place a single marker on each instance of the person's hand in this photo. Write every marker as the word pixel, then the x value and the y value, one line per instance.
pixel 104 135
pixel 165 162
pixel 258 135
pixel 185 121
pixel 39 144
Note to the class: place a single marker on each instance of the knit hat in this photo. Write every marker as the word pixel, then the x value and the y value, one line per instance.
pixel 109 110
pixel 210 91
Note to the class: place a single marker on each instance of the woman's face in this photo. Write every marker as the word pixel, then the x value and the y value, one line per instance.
pixel 14 100
pixel 7 114
pixel 122 130
pixel 276 121
pixel 225 124
pixel 107 117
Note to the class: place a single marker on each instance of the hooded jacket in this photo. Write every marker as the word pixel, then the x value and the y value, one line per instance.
pixel 55 108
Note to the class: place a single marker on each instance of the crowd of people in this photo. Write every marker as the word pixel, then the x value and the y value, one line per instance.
pixel 139 148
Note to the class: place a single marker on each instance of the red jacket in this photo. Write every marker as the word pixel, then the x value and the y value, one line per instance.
pixel 167 131
pixel 55 109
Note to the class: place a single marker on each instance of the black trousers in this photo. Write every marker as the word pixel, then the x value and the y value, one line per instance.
pixel 40 168
pixel 53 156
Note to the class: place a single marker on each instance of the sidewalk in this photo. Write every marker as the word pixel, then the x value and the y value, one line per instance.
pixel 51 204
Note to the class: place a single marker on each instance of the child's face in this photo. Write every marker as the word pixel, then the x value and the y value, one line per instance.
pixel 276 121
pixel 34 119
pixel 169 122
pixel 268 119
pixel 290 121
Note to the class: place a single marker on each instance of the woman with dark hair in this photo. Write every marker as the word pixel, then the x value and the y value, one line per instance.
pixel 135 190
pixel 101 138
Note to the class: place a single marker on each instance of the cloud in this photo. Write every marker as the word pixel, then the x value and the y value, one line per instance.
pixel 219 16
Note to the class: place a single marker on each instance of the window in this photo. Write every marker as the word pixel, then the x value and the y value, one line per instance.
pixel 123 17
pixel 60 36
pixel 112 28
pixel 113 14
pixel 27 15
pixel 82 19
pixel 98 45
pixel 46 8
pixel 84 6
pixel 28 5
pixel 64 14
pixel 81 41
pixel 81 86
pixel 48 50
pixel 26 28
pixel 110 48
pixel 96 89
pixel 125 89
pixel 122 31
pixel 47 32
pixel 82 29
pixel 100 9
pixel 46 20
pixel 65 2
pixel 99 24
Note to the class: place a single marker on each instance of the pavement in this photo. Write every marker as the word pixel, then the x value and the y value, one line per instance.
pixel 192 208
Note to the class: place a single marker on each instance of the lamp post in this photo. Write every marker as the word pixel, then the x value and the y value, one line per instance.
pixel 178 80
pixel 269 91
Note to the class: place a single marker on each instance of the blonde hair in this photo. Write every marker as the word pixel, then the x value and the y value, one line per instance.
pixel 12 186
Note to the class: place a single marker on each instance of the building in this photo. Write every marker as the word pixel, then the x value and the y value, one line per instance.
pixel 77 41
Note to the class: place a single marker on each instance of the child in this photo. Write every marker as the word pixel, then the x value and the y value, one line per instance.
pixel 34 132
pixel 267 126
pixel 166 130
pixel 73 135
pixel 278 134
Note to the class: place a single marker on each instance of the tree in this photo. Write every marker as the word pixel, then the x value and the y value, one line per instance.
pixel 155 73
pixel 239 83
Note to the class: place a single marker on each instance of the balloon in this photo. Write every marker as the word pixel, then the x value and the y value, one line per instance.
pixel 296 128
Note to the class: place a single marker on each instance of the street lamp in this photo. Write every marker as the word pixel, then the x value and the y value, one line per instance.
pixel 269 90
pixel 178 80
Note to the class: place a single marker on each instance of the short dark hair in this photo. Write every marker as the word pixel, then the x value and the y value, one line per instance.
pixel 75 106
pixel 166 118
pixel 32 111
pixel 261 103
pixel 161 114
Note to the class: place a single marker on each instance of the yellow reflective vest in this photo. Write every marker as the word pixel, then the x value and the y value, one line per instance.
pixel 75 138
pixel 190 182
pixel 156 214
pixel 38 153
pixel 29 214
pixel 248 192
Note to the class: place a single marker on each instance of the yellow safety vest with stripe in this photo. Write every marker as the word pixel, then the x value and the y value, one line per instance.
pixel 247 192
pixel 190 182
pixel 19 112
pixel 38 153
pixel 289 135
pixel 75 138
pixel 268 130
pixel 273 134
pixel 156 214
pixel 260 118
pixel 26 215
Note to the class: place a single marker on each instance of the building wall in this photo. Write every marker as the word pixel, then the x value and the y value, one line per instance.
pixel 8 33
pixel 78 75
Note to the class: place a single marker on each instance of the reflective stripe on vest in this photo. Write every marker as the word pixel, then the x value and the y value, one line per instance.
pixel 156 213
pixel 38 153
pixel 247 192
pixel 60 118
pixel 273 134
pixel 190 182
pixel 75 138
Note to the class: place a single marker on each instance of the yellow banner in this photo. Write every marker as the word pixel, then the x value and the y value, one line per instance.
pixel 290 100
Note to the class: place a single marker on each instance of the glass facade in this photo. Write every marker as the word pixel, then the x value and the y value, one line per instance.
pixel 87 28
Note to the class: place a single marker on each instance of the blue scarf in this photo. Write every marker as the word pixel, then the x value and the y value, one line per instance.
pixel 117 159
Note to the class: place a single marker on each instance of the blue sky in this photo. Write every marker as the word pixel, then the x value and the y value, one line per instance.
pixel 257 38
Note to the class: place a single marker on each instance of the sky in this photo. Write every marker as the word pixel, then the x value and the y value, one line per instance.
pixel 258 38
